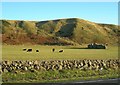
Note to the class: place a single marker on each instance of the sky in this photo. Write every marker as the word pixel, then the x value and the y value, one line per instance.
pixel 60 0
pixel 100 12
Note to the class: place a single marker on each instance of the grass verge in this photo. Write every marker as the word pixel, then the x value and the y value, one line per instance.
pixel 55 76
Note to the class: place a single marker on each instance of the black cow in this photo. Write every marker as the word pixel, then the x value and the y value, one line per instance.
pixel 24 49
pixel 37 50
pixel 53 49
pixel 29 50
pixel 60 51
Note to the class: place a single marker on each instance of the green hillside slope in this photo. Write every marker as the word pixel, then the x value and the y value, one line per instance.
pixel 70 31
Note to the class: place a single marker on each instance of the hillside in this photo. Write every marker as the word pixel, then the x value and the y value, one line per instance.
pixel 58 32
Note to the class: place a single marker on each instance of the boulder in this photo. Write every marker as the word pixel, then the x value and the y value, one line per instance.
pixel 60 67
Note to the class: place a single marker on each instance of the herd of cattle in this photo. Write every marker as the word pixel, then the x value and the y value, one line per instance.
pixel 90 46
pixel 30 50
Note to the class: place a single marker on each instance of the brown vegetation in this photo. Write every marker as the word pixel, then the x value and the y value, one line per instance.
pixel 58 32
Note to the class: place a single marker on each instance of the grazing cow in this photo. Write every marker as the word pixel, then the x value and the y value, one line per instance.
pixel 24 49
pixel 60 51
pixel 29 50
pixel 37 50
pixel 53 49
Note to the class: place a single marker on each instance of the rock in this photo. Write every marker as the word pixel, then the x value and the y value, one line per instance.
pixel 12 66
pixel 97 67
pixel 60 67
pixel 56 67
pixel 36 63
pixel 36 67
pixel 30 63
pixel 5 70
pixel 7 62
pixel 32 70
pixel 25 68
pixel 29 67
pixel 42 68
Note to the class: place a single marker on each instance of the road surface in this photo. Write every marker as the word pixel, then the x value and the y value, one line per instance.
pixel 93 82
pixel 101 81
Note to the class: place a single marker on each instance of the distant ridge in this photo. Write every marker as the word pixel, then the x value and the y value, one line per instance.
pixel 70 31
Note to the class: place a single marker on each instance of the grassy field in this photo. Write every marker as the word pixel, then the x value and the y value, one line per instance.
pixel 15 52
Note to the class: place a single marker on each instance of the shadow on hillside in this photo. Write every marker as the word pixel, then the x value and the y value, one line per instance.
pixel 77 48
pixel 82 48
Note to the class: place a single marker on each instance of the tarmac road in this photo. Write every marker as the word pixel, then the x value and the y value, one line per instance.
pixel 93 82
pixel 101 81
